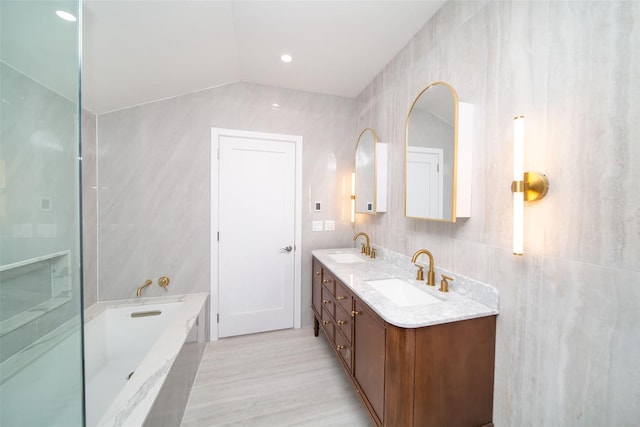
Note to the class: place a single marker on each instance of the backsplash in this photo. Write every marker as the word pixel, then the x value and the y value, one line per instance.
pixel 482 292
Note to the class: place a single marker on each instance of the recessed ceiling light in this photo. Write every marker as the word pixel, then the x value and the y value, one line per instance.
pixel 285 57
pixel 66 16
pixel 275 105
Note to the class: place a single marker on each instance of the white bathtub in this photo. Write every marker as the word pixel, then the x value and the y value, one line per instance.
pixel 129 359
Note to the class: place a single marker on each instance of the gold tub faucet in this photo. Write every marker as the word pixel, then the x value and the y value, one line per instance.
pixel 140 288
pixel 431 279
pixel 366 249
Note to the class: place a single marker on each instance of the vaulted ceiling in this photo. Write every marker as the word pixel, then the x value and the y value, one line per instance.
pixel 138 51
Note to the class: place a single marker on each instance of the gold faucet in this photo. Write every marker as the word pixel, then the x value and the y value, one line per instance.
pixel 140 288
pixel 366 249
pixel 432 275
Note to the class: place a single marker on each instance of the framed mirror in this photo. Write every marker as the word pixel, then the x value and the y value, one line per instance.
pixel 432 154
pixel 370 156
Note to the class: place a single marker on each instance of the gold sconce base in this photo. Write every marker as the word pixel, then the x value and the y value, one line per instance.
pixel 535 186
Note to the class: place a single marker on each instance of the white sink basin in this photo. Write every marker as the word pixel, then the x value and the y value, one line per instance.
pixel 345 257
pixel 402 293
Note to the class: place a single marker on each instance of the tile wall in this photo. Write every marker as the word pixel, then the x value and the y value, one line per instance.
pixel 89 209
pixel 154 164
pixel 38 209
pixel 567 333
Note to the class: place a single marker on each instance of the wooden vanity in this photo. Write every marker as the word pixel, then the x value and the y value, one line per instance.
pixel 438 375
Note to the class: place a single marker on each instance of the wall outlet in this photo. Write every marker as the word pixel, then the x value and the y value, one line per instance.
pixel 329 225
pixel 316 226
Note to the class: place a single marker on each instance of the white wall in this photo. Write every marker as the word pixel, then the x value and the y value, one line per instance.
pixel 567 339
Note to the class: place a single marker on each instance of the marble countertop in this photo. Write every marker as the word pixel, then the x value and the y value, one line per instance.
pixel 466 299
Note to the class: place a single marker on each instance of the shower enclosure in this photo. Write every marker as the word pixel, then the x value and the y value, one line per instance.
pixel 41 370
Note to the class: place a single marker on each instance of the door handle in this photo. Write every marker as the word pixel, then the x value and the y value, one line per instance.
pixel 288 248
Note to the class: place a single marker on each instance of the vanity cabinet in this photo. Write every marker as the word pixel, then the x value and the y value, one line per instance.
pixel 439 375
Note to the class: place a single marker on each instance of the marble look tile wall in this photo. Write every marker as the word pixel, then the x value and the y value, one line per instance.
pixel 154 181
pixel 39 206
pixel 567 336
pixel 89 209
pixel 39 194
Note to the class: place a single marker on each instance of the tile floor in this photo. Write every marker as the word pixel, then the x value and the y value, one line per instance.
pixel 281 378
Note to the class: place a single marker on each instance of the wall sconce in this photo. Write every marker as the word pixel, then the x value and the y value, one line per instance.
pixel 526 186
pixel 353 197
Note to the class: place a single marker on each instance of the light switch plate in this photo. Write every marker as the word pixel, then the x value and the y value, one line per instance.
pixel 329 225
pixel 316 226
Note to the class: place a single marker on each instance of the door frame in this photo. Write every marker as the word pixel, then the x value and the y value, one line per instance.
pixel 214 288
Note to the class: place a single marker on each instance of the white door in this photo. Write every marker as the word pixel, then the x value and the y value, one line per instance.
pixel 255 233
pixel 424 182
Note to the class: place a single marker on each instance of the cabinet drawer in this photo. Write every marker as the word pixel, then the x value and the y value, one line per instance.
pixel 343 296
pixel 329 282
pixel 327 324
pixel 328 302
pixel 344 349
pixel 343 322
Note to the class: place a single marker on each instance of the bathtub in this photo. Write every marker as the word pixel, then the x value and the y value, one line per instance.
pixel 141 356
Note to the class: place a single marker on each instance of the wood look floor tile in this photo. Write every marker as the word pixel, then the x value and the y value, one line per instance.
pixel 281 378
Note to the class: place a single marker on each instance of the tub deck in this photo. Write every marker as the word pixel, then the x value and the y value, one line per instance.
pixel 134 401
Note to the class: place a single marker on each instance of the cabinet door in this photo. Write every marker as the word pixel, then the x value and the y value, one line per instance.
pixel 369 356
pixel 316 286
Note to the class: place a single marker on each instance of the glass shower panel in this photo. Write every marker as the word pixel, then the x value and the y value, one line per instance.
pixel 41 380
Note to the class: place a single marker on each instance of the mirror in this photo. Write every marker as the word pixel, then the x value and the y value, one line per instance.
pixel 431 154
pixel 365 185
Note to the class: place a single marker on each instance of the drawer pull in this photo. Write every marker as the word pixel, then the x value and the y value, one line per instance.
pixel 325 322
pixel 340 347
pixel 326 280
pixel 341 298
pixel 355 313
pixel 317 273
pixel 326 301
pixel 342 322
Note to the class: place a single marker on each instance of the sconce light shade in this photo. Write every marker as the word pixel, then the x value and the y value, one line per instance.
pixel 526 186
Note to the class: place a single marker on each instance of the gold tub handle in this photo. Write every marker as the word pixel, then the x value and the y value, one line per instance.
pixel 164 282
